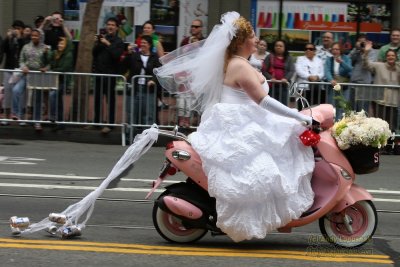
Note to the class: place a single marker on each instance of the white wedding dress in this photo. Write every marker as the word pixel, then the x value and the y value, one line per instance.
pixel 258 169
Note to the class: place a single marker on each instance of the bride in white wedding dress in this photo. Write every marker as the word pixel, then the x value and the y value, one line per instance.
pixel 258 169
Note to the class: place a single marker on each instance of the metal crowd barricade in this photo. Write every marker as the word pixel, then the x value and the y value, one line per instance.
pixel 280 91
pixel 67 98
pixel 143 105
pixel 382 101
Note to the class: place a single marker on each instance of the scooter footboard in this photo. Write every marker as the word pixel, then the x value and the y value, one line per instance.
pixel 356 193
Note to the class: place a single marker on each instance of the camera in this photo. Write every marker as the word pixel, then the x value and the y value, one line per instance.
pixel 362 45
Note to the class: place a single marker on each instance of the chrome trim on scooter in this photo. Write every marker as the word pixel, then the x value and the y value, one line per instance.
pixel 174 134
pixel 345 174
pixel 181 155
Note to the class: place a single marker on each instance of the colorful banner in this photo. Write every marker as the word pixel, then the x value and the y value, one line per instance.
pixel 338 26
pixel 295 13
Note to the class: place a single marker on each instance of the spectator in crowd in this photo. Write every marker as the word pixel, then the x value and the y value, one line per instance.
pixel 324 50
pixel 393 45
pixel 60 60
pixel 196 33
pixel 107 51
pixel 386 73
pixel 279 68
pixel 144 94
pixel 338 70
pixel 184 101
pixel 257 58
pixel 31 58
pixel 360 73
pixel 148 29
pixel 309 68
pixel 38 21
pixel 26 34
pixel 1 50
pixel 12 46
pixel 53 27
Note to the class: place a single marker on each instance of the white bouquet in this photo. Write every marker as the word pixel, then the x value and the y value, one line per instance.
pixel 357 129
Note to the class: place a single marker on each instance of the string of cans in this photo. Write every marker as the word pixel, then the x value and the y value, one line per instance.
pixel 18 224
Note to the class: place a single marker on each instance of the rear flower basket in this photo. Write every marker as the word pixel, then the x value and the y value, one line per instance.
pixel 360 139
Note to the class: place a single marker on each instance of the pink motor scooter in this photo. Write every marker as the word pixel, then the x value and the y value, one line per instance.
pixel 185 212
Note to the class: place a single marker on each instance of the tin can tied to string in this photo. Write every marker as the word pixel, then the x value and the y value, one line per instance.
pixel 58 218
pixel 71 231
pixel 18 224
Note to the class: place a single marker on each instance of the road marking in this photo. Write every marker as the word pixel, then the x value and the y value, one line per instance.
pixel 195 251
pixel 386 200
pixel 18 160
pixel 49 186
pixel 77 177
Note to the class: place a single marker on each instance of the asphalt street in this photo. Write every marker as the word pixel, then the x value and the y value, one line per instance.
pixel 40 177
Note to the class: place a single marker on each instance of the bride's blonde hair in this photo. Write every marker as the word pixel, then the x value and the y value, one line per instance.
pixel 243 31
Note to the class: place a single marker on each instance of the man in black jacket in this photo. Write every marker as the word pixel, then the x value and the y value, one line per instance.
pixel 1 50
pixel 107 51
pixel 12 46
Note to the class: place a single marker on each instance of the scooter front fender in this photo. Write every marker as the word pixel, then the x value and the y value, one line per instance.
pixel 355 194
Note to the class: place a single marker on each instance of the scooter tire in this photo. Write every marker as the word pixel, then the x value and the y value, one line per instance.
pixel 364 222
pixel 171 228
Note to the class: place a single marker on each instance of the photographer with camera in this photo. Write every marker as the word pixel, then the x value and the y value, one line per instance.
pixel 12 46
pixel 107 50
pixel 53 27
pixel 361 74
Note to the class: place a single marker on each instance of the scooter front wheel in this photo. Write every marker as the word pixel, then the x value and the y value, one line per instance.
pixel 172 229
pixel 353 227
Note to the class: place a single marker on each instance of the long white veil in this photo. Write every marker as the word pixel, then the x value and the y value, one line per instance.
pixel 197 68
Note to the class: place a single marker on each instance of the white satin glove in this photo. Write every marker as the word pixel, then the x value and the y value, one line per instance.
pixel 277 107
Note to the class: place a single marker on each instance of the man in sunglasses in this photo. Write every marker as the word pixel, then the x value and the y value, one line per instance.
pixel 196 33
pixel 310 68
pixel 184 102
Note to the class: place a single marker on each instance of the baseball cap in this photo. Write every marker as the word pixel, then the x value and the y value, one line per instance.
pixel 38 18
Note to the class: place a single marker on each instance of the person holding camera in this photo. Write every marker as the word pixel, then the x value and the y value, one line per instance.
pixel 360 73
pixel 1 50
pixel 53 27
pixel 12 46
pixel 107 51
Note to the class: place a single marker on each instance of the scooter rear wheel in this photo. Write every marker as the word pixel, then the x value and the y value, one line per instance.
pixel 363 220
pixel 171 227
